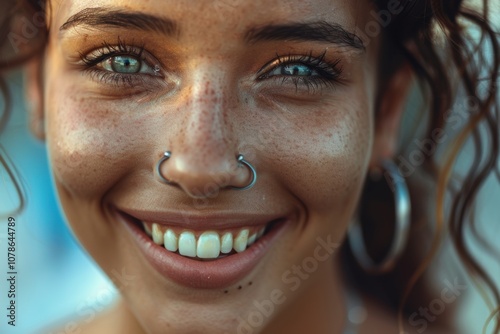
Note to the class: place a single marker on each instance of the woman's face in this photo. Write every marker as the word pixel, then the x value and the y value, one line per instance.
pixel 285 83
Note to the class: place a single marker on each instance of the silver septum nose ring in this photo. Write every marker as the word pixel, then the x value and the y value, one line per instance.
pixel 239 158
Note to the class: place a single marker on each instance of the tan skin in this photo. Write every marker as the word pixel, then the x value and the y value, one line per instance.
pixel 104 137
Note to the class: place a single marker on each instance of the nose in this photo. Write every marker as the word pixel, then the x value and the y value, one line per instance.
pixel 204 150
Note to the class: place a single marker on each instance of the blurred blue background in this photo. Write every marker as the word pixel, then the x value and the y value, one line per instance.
pixel 56 279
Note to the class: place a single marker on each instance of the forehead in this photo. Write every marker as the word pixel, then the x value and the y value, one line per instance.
pixel 227 15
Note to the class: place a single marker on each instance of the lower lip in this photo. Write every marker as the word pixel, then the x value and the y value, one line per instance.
pixel 217 274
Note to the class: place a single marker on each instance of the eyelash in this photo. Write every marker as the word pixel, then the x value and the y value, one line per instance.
pixel 329 73
pixel 108 51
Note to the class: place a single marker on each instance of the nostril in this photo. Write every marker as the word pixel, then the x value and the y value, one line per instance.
pixel 201 179
pixel 253 173
pixel 159 173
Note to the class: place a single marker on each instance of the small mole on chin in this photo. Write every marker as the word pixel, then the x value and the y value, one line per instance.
pixel 239 287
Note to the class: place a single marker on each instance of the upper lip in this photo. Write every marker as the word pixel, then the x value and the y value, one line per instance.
pixel 202 221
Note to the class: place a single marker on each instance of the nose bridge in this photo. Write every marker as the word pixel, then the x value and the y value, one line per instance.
pixel 204 149
pixel 207 124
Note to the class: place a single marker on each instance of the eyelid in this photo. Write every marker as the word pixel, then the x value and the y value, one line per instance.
pixel 318 63
pixel 330 69
pixel 153 70
pixel 90 63
pixel 95 57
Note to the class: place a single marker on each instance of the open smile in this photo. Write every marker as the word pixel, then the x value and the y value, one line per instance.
pixel 207 245
pixel 222 253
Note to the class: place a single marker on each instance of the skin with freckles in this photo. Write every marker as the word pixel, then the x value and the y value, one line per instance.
pixel 206 93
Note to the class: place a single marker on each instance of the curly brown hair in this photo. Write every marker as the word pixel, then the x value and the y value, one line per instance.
pixel 434 38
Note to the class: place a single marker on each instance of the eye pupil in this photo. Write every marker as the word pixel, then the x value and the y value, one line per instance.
pixel 296 69
pixel 125 64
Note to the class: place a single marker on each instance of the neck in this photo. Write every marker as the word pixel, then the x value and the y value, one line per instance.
pixel 318 308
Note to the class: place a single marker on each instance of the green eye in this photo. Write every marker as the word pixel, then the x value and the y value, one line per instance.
pixel 122 64
pixel 293 70
pixel 297 70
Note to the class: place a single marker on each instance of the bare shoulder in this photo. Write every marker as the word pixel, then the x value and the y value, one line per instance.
pixel 112 320
pixel 98 323
pixel 381 320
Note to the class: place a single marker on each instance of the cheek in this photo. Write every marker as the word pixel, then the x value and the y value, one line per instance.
pixel 89 143
pixel 322 158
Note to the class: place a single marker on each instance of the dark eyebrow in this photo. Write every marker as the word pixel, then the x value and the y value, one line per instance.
pixel 108 17
pixel 320 31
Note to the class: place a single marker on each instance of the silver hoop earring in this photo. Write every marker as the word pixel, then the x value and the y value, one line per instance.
pixel 402 207
pixel 240 159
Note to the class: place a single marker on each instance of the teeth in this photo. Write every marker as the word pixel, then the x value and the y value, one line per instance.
pixel 208 245
pixel 240 242
pixel 187 244
pixel 147 229
pixel 170 240
pixel 157 235
pixel 252 238
pixel 226 243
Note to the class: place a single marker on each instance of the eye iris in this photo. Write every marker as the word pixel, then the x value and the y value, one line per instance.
pixel 125 64
pixel 296 69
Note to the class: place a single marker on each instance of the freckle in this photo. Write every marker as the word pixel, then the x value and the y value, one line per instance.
pixel 239 288
pixel 250 283
pixel 225 291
